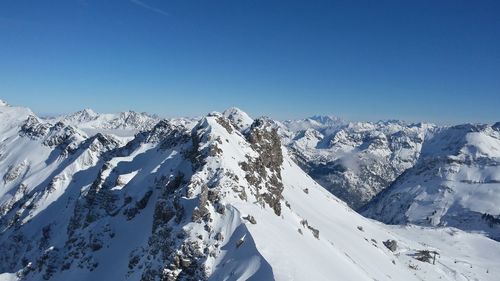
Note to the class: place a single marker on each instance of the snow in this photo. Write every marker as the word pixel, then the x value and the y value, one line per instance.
pixel 238 117
pixel 454 183
pixel 354 160
pixel 122 124
pixel 486 145
pixel 98 189
pixel 341 250
pixel 8 277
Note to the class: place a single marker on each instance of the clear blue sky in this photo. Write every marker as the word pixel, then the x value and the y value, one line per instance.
pixel 362 60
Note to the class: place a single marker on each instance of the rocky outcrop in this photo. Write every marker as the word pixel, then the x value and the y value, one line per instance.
pixel 264 171
pixel 34 128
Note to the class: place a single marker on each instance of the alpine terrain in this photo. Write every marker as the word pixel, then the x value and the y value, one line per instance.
pixel 222 198
pixel 455 182
pixel 354 160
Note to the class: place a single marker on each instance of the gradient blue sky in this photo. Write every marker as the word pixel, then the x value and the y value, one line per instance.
pixel 424 60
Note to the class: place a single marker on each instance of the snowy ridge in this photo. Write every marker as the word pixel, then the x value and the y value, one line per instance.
pixel 213 201
pixel 122 124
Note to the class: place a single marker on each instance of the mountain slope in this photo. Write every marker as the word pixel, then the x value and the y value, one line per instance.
pixel 456 182
pixel 204 203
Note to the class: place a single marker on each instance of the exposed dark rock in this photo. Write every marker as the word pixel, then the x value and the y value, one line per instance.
pixel 139 205
pixel 224 122
pixel 264 139
pixel 251 219
pixel 492 220
pixel 314 231
pixel 426 256
pixel 219 236
pixel 34 128
pixel 391 245
pixel 201 211
pixel 16 171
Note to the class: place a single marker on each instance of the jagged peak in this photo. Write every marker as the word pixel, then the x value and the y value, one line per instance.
pixel 32 119
pixel 164 129
pixel 33 127
pixel 165 134
pixel 107 141
pixel 264 123
pixel 238 117
pixel 213 118
pixel 86 114
pixel 251 160
pixel 235 111
pixel 133 113
pixel 89 111
pixel 50 134
pixel 496 126
pixel 326 119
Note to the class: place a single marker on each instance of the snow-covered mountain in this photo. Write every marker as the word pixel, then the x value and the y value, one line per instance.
pixel 319 123
pixel 239 119
pixel 122 124
pixel 217 201
pixel 456 182
pixel 354 160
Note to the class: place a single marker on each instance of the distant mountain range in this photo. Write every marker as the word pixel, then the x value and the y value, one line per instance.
pixel 354 160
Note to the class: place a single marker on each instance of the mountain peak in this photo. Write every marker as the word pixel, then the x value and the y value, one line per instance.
pixel 238 117
pixel 326 119
pixel 3 103
pixel 86 114
pixel 89 111
pixel 124 123
pixel 496 126
pixel 233 109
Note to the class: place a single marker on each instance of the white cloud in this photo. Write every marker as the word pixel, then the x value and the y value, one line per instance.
pixel 151 8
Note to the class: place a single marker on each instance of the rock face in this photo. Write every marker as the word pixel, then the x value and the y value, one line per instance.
pixel 264 171
pixel 354 161
pixel 455 182
pixel 391 245
pixel 213 201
